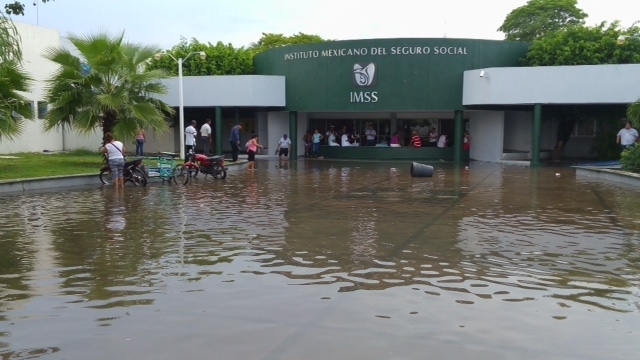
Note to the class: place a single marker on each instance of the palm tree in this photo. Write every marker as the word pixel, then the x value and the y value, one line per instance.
pixel 633 113
pixel 107 86
pixel 14 107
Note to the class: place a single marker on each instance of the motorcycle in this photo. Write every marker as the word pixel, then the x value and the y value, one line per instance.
pixel 131 172
pixel 211 165
pixel 208 165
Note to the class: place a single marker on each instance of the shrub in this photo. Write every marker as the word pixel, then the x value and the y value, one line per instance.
pixel 630 159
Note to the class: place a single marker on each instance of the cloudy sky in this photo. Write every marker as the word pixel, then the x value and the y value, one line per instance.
pixel 241 22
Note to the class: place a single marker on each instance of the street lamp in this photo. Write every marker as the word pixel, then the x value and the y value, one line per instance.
pixel 623 38
pixel 180 90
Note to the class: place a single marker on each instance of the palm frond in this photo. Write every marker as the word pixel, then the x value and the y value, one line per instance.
pixel 106 86
pixel 14 107
pixel 633 113
pixel 9 40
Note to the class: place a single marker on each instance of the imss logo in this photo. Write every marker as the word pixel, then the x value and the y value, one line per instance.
pixel 364 75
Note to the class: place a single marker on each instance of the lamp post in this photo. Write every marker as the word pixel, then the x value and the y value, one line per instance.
pixel 623 38
pixel 181 91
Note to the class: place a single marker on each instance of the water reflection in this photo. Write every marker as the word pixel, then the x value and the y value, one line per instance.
pixel 505 252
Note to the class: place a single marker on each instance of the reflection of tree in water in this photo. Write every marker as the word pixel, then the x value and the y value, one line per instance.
pixel 103 242
pixel 19 245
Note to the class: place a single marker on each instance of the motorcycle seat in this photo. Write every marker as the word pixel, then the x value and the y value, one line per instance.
pixel 132 162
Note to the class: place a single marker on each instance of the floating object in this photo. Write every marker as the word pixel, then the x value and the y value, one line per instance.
pixel 421 170
pixel 557 174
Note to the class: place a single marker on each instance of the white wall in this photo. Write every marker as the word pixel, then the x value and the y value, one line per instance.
pixel 73 140
pixel 303 123
pixel 227 90
pixel 486 129
pixel 278 124
pixel 586 84
pixel 517 130
pixel 34 40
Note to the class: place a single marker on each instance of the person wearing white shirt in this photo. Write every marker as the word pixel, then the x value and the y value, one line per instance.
pixel 345 140
pixel 371 136
pixel 332 139
pixel 442 141
pixel 205 136
pixel 627 136
pixel 190 138
pixel 283 147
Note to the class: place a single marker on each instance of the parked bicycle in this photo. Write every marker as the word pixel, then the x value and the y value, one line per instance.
pixel 132 173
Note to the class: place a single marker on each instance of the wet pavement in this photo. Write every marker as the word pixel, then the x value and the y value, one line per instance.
pixel 326 260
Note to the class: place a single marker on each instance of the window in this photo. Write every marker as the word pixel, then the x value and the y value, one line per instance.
pixel 17 115
pixel 585 127
pixel 43 106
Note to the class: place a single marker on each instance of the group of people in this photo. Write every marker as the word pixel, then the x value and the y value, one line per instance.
pixel 433 140
pixel 251 146
pixel 191 134
pixel 312 141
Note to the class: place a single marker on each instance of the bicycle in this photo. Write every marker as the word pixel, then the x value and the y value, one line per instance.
pixel 166 169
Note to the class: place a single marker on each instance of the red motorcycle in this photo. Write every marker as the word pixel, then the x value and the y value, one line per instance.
pixel 198 163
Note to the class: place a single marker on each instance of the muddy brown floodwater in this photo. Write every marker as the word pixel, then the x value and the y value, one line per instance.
pixel 326 260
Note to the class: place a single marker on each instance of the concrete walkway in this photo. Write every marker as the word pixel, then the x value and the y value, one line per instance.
pixel 51 182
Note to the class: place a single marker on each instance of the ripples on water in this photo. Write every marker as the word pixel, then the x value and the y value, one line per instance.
pixel 320 250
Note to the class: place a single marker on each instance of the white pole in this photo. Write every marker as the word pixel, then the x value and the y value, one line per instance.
pixel 182 154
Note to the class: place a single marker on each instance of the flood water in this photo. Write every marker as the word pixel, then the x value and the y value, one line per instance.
pixel 326 260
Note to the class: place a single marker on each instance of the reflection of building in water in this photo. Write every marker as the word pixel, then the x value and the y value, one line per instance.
pixel 362 234
pixel 32 274
pixel 344 179
pixel 544 239
pixel 249 212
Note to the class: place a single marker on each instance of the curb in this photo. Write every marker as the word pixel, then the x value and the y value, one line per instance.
pixel 20 185
pixel 608 174
pixel 52 182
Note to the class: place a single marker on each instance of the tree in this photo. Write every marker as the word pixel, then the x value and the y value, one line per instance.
pixel 106 87
pixel 221 59
pixel 538 18
pixel 585 45
pixel 633 113
pixel 14 107
pixel 224 59
pixel 582 45
pixel 633 110
pixel 17 8
pixel 270 41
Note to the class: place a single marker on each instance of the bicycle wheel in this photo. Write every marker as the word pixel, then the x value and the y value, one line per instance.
pixel 105 177
pixel 181 174
pixel 138 178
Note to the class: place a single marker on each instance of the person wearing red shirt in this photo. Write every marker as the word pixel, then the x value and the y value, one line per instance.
pixel 415 140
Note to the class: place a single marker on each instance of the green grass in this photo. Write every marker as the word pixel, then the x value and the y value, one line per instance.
pixel 34 165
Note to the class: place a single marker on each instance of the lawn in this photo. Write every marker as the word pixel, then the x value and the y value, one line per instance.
pixel 33 165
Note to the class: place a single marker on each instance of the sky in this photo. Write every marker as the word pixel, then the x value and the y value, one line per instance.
pixel 241 22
